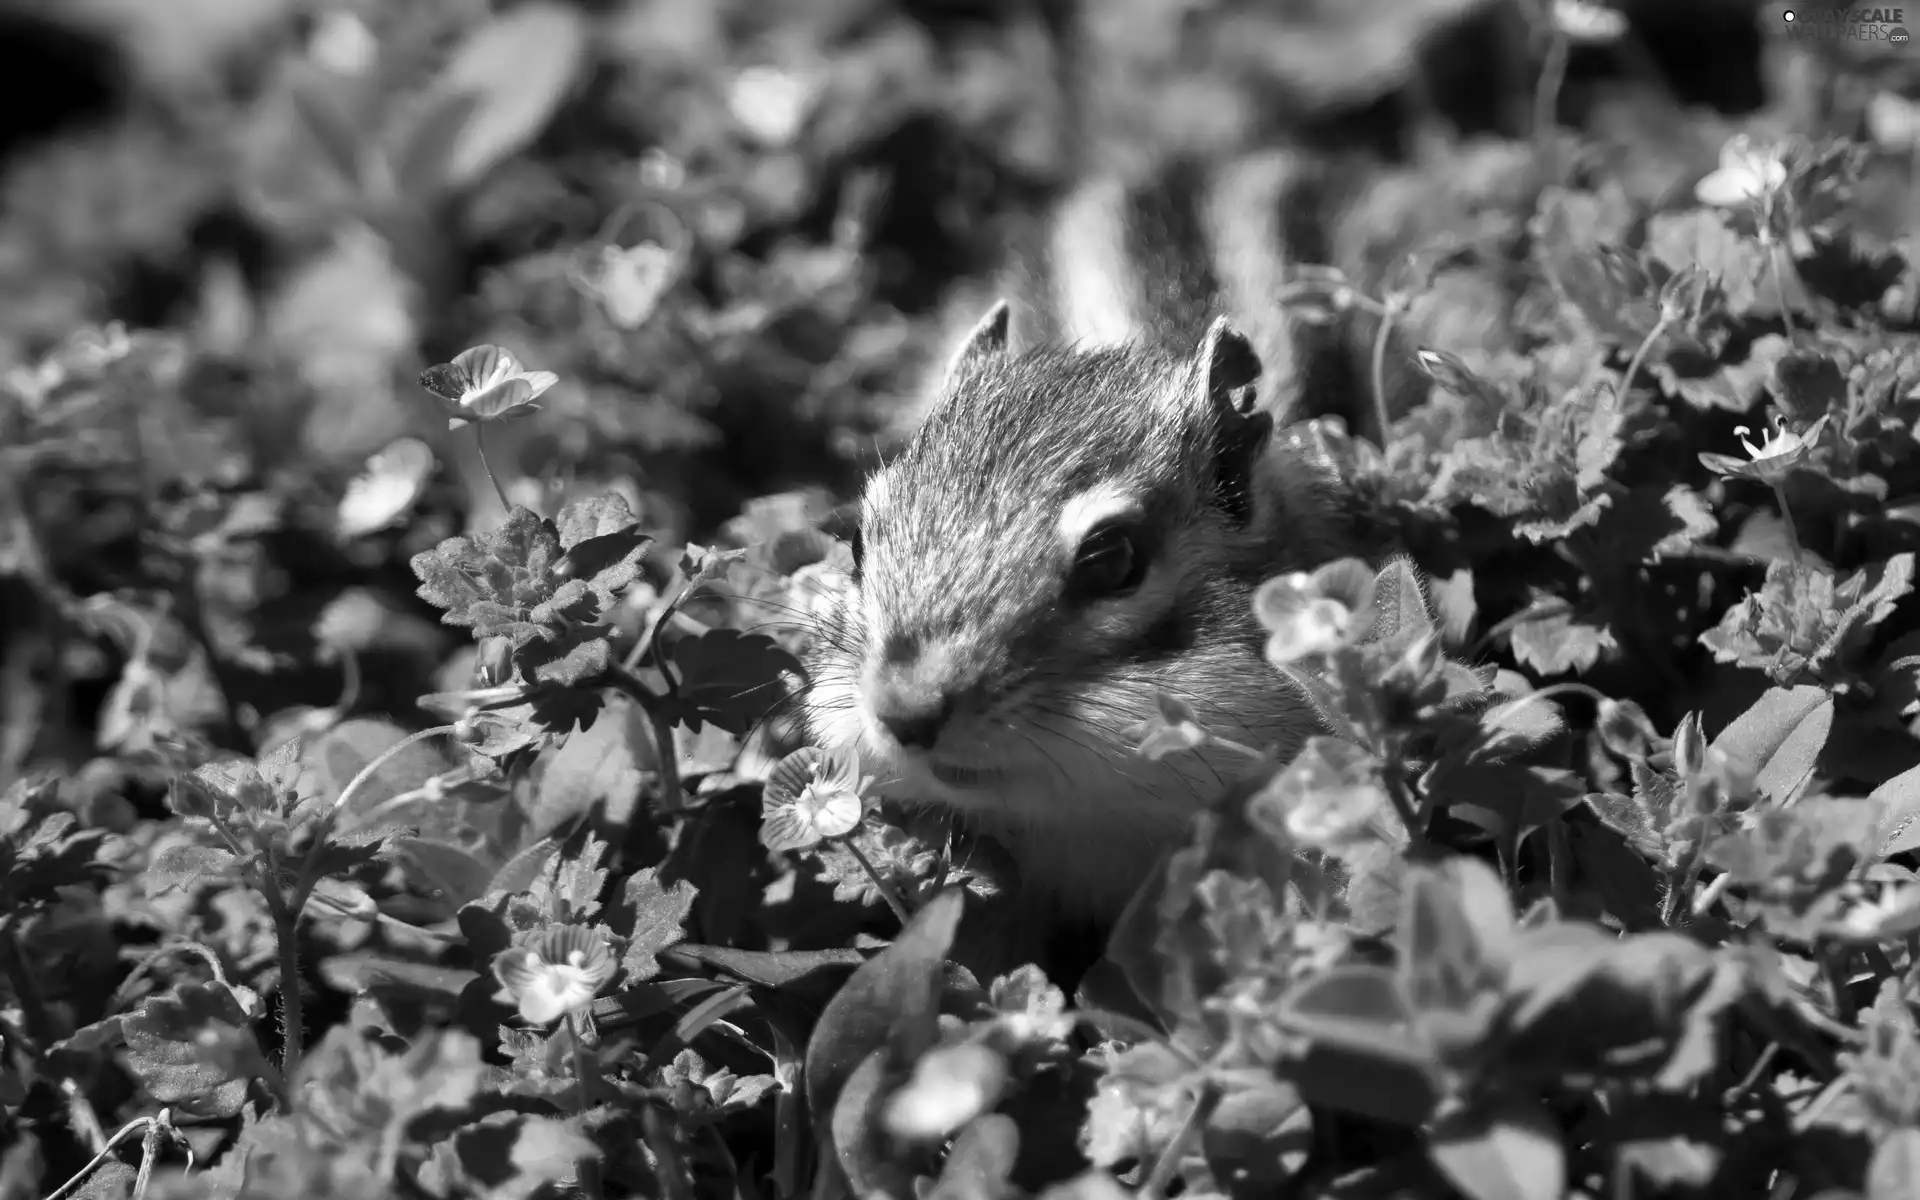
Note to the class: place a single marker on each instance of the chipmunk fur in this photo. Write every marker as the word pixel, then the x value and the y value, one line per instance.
pixel 1108 469
pixel 1079 524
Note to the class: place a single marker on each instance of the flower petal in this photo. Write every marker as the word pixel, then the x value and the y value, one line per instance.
pixel 790 775
pixel 502 397
pixel 1727 187
pixel 393 479
pixel 486 365
pixel 1726 464
pixel 517 968
pixel 538 382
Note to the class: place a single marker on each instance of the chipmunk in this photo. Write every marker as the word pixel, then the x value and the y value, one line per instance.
pixel 1108 469
pixel 1079 524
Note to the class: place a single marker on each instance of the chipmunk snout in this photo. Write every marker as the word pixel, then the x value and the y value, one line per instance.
pixel 910 693
pixel 913 722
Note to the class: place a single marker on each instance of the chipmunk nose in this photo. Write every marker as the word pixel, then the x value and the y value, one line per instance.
pixel 915 724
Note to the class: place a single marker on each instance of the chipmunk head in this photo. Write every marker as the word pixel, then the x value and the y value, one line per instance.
pixel 1068 533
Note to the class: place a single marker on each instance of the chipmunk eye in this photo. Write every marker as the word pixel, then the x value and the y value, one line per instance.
pixel 858 545
pixel 1109 563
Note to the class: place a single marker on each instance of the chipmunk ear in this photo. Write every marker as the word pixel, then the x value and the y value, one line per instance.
pixel 1228 367
pixel 987 341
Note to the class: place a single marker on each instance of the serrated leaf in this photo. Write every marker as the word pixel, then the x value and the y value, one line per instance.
pixel 586 659
pixel 184 864
pixel 41 848
pixel 569 889
pixel 1553 641
pixel 653 920
pixel 702 565
pixel 730 678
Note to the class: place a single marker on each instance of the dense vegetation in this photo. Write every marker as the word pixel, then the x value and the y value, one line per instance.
pixel 339 855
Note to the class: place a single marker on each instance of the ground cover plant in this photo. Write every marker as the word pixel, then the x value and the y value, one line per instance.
pixel 416 474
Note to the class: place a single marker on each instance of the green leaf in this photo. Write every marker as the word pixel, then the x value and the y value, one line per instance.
pixel 1899 799
pixel 422 161
pixel 1553 641
pixel 1360 1005
pixel 604 545
pixel 507 1156
pixel 1509 1152
pixel 183 865
pixel 601 769
pixel 166 1052
pixel 1780 737
pixel 375 1093
pixel 1399 602
pixel 333 130
pixel 652 919
pixel 518 68
pixel 731 678
pixel 980 1164
pixel 490 581
pixel 41 848
pixel 891 1002
pixel 569 890
pixel 1701 237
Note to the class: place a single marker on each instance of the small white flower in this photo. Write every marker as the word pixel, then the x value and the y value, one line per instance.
pixel 810 796
pixel 392 480
pixel 554 973
pixel 343 44
pixel 1778 455
pixel 950 1086
pixel 485 383
pixel 772 104
pixel 629 281
pixel 1588 23
pixel 1747 173
pixel 1893 121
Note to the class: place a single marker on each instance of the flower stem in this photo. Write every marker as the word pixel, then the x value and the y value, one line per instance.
pixel 1381 421
pixel 1640 355
pixel 480 444
pixel 304 881
pixel 1546 100
pixel 666 751
pixel 1774 251
pixel 1786 519
pixel 887 892
pixel 286 931
pixel 1168 1164
pixel 579 1059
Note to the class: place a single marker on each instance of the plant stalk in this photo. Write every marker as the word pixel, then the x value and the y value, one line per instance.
pixel 1640 355
pixel 480 444
pixel 1786 520
pixel 1378 367
pixel 1168 1164
pixel 886 889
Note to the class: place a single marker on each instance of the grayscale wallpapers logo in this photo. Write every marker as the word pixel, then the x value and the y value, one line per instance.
pixel 1861 24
